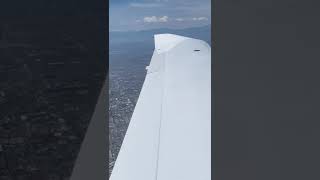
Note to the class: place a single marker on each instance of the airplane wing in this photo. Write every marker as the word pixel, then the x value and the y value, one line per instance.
pixel 169 135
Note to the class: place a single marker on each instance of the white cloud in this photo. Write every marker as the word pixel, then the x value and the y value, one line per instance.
pixel 179 19
pixel 153 19
pixel 200 18
pixel 150 19
pixel 163 19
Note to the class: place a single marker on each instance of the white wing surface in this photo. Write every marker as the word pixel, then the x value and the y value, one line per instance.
pixel 169 135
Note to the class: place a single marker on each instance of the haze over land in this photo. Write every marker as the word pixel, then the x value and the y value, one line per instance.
pixel 116 37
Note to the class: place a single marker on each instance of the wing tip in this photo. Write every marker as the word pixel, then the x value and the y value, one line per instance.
pixel 164 42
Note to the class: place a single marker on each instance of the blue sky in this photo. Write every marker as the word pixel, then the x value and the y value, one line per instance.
pixel 127 15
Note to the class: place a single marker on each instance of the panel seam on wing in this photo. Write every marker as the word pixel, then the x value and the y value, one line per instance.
pixel 161 113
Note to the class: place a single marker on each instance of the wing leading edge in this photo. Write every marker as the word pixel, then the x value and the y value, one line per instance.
pixel 169 135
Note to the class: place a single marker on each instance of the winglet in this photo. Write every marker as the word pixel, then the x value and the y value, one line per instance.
pixel 164 42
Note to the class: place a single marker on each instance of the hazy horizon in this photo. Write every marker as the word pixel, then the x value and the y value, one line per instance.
pixel 154 29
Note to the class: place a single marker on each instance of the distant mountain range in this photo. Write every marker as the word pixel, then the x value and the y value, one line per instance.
pixel 203 33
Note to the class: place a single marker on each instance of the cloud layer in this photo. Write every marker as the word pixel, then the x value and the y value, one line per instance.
pixel 154 19
pixel 179 19
pixel 200 18
pixel 162 19
pixel 145 5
